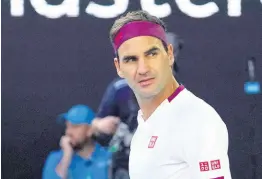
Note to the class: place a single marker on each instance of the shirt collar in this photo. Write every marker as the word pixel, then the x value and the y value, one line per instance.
pixel 92 157
pixel 169 99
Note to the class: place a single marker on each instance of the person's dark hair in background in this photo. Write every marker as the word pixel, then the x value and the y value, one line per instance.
pixel 178 45
pixel 119 103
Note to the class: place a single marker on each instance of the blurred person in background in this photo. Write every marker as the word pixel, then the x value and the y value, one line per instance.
pixel 116 123
pixel 80 157
pixel 116 119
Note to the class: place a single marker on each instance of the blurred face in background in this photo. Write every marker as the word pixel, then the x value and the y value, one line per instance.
pixel 80 135
pixel 145 64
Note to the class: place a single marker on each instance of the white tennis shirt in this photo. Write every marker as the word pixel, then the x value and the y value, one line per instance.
pixel 184 138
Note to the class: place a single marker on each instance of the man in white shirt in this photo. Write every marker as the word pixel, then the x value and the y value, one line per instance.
pixel 179 136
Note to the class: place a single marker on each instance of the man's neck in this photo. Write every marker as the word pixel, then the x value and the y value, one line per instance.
pixel 148 106
pixel 87 150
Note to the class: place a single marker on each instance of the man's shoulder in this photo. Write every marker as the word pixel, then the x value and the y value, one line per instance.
pixel 195 103
pixel 204 115
pixel 55 155
pixel 53 159
pixel 194 108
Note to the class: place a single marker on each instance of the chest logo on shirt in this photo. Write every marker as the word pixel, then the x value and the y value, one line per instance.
pixel 152 142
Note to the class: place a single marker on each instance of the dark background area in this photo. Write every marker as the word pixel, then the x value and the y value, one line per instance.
pixel 48 65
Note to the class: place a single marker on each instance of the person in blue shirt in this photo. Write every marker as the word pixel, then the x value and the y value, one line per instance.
pixel 80 157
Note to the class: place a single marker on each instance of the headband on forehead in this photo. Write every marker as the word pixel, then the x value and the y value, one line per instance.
pixel 139 28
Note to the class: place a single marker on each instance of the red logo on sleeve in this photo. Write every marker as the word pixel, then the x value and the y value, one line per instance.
pixel 204 166
pixel 218 178
pixel 215 164
pixel 152 142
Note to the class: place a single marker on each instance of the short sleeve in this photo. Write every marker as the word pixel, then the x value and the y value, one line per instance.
pixel 206 149
pixel 50 165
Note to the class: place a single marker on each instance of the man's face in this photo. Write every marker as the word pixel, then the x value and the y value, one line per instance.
pixel 145 64
pixel 79 134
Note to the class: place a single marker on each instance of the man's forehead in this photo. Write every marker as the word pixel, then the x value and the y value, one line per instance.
pixel 139 45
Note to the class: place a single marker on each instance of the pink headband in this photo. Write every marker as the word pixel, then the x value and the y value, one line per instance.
pixel 139 28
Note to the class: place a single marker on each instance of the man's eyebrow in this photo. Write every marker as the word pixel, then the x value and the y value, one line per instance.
pixel 151 50
pixel 128 57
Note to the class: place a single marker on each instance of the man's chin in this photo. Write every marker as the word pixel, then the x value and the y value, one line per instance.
pixel 80 146
pixel 77 148
pixel 148 93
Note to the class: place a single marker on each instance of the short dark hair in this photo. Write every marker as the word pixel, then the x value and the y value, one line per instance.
pixel 178 45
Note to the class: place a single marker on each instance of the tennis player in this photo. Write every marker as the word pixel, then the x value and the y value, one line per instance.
pixel 179 136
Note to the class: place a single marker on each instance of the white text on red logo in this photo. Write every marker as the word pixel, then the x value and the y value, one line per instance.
pixel 215 164
pixel 204 166
pixel 152 142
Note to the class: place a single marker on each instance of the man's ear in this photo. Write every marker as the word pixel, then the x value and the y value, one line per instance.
pixel 170 53
pixel 90 132
pixel 117 65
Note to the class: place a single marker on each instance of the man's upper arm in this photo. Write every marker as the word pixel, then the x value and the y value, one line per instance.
pixel 108 106
pixel 206 150
pixel 49 170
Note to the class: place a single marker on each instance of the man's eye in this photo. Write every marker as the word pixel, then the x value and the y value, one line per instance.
pixel 129 60
pixel 152 54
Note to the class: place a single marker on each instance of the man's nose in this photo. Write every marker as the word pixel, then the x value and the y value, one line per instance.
pixel 143 66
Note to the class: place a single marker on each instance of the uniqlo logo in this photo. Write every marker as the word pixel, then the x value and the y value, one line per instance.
pixel 215 164
pixel 152 142
pixel 203 166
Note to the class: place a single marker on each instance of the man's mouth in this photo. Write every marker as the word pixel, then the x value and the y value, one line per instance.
pixel 146 82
